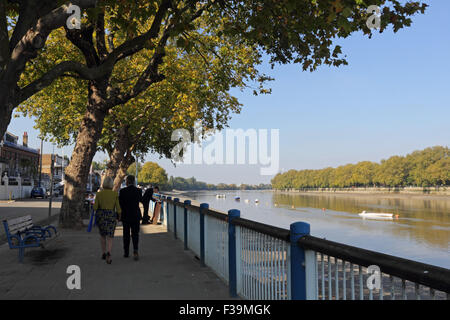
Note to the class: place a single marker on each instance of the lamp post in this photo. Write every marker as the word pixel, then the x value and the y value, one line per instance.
pixel 52 167
pixel 91 172
pixel 62 173
pixel 136 170
pixel 40 162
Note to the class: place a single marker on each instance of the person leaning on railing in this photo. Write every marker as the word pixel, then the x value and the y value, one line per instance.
pixel 157 199
pixel 148 195
pixel 107 214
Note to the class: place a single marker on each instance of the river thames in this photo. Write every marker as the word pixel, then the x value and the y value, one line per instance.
pixel 421 232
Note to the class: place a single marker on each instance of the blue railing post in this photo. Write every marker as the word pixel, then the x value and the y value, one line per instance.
pixel 186 202
pixel 168 213
pixel 232 278
pixel 298 270
pixel 175 201
pixel 203 207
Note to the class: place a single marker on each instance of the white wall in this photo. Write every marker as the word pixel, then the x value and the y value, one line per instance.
pixel 17 192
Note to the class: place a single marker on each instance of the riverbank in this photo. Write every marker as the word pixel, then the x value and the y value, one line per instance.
pixel 445 195
pixel 381 193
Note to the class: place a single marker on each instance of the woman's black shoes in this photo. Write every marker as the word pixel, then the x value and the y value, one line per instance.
pixel 108 258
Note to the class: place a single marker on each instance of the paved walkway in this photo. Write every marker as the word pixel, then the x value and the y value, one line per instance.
pixel 164 271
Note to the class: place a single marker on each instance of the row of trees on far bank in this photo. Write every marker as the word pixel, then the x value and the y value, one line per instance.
pixel 150 173
pixel 179 183
pixel 428 167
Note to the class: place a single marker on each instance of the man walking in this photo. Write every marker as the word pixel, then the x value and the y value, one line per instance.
pixel 129 199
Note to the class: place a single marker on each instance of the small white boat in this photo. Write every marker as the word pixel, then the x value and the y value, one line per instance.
pixel 247 201
pixel 365 214
pixel 256 201
pixel 220 196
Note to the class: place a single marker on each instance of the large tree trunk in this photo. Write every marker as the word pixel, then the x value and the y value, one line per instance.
pixel 118 153
pixel 8 101
pixel 6 106
pixel 122 171
pixel 77 173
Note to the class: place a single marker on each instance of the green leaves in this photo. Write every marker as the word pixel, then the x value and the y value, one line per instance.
pixel 303 31
pixel 200 69
pixel 427 167
pixel 152 173
pixel 204 59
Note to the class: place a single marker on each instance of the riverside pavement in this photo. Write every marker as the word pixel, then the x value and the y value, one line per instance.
pixel 164 270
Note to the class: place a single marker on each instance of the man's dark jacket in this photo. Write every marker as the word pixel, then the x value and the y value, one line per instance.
pixel 148 195
pixel 129 199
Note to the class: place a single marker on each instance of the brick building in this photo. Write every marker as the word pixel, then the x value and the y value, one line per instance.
pixel 18 158
pixel 59 164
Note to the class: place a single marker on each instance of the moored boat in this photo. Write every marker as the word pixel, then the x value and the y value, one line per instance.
pixel 377 215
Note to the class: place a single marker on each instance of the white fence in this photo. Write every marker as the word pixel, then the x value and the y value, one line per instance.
pixel 15 192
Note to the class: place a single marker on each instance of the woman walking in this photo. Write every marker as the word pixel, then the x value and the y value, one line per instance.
pixel 107 214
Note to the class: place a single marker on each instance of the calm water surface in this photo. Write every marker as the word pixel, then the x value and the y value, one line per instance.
pixel 421 233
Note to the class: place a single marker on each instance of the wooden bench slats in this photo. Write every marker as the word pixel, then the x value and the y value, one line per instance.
pixel 20 224
pixel 19 220
pixel 12 225
pixel 21 227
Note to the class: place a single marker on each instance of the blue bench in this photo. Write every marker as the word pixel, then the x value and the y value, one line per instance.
pixel 22 233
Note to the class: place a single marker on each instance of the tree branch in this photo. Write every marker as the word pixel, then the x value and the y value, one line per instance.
pixel 134 45
pixel 59 70
pixel 150 74
pixel 83 40
pixel 100 36
pixel 4 38
pixel 36 36
pixel 27 17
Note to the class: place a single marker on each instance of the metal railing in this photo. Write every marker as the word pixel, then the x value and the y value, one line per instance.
pixel 263 262
pixel 341 272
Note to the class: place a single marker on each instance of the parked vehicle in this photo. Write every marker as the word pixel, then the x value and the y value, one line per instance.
pixel 38 192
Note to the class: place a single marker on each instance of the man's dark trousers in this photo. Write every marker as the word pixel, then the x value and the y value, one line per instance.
pixel 146 217
pixel 129 199
pixel 132 228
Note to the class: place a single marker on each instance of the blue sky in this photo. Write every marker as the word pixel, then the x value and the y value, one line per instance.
pixel 392 98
